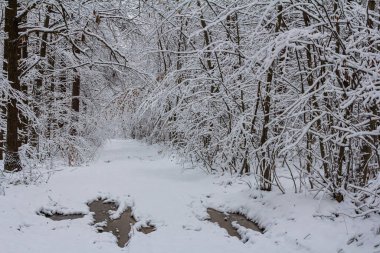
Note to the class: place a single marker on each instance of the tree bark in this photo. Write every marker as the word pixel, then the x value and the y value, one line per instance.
pixel 23 54
pixel 75 102
pixel 12 158
pixel 366 151
pixel 4 100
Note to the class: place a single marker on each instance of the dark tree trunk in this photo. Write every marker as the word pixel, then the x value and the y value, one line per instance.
pixel 367 152
pixel 75 102
pixel 62 89
pixel 2 132
pixel 12 158
pixel 52 120
pixel 207 41
pixel 4 100
pixel 23 54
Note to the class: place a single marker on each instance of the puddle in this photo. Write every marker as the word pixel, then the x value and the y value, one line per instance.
pixel 147 230
pixel 101 212
pixel 118 227
pixel 225 221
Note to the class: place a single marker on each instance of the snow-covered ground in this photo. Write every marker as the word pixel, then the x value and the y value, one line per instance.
pixel 175 200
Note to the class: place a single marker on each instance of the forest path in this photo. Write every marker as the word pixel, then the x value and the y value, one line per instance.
pixel 173 199
pixel 131 173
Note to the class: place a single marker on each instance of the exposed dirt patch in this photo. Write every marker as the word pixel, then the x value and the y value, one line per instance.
pixel 100 208
pixel 120 227
pixel 60 216
pixel 225 221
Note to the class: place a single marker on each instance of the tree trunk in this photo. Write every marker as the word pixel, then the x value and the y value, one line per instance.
pixel 23 54
pixel 266 163
pixel 12 158
pixel 366 151
pixel 75 102
pixel 75 94
pixel 4 100
pixel 39 82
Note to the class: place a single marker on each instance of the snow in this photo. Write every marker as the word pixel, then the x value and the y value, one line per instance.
pixel 174 199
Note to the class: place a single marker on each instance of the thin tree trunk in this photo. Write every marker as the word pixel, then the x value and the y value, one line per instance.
pixel 366 151
pixel 39 82
pixel 4 100
pixel 266 163
pixel 23 128
pixel 75 94
pixel 51 120
pixel 75 102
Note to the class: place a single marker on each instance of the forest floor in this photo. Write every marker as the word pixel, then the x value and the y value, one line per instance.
pixel 174 198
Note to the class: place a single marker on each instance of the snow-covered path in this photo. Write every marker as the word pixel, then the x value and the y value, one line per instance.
pixel 163 193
